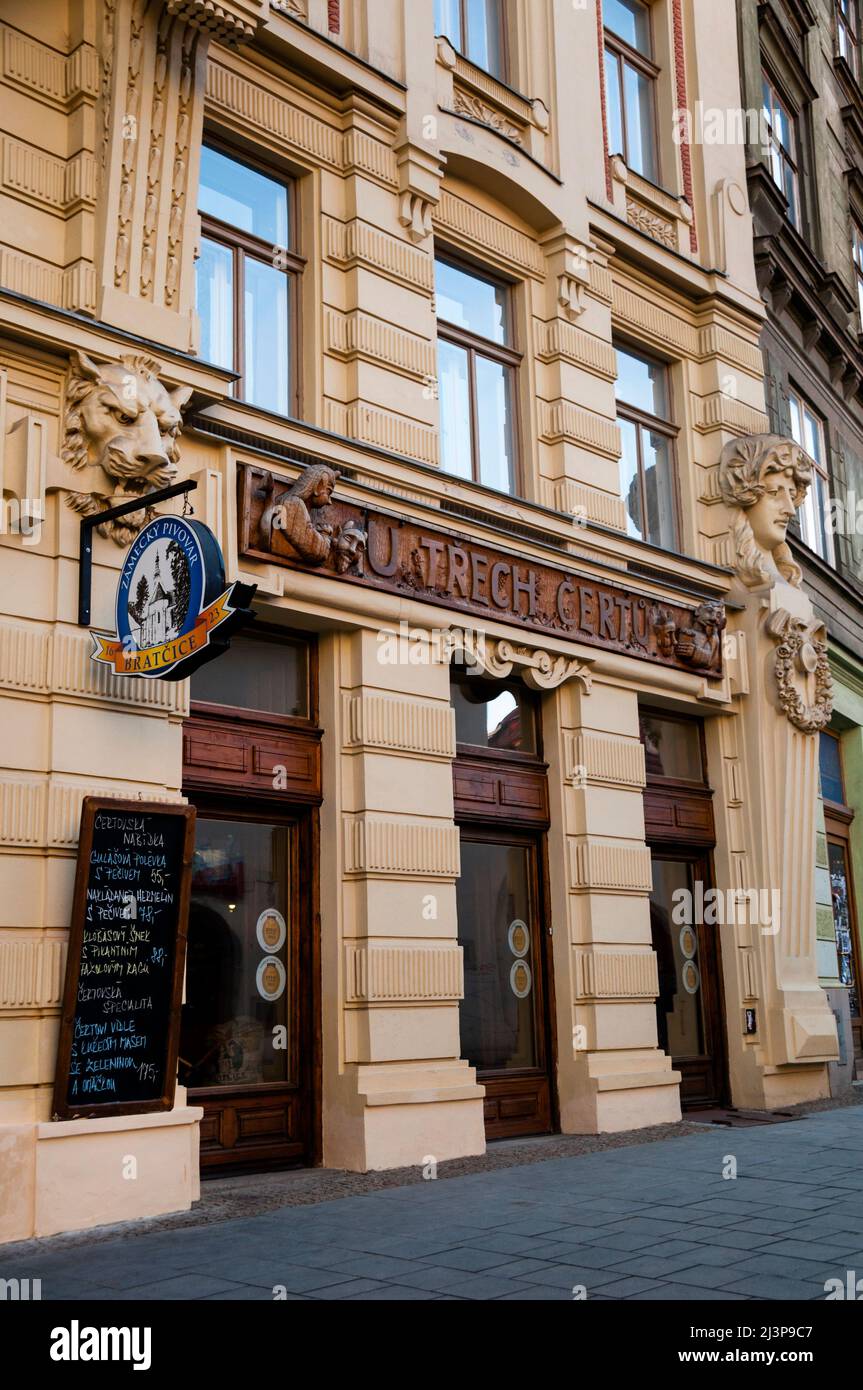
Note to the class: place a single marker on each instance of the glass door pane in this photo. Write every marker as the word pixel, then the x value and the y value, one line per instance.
pixel 497 929
pixel 237 1021
pixel 680 1006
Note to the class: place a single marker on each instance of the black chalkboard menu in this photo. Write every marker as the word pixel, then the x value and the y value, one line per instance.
pixel 119 1031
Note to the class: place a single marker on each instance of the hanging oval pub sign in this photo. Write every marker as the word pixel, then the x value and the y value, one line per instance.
pixel 173 611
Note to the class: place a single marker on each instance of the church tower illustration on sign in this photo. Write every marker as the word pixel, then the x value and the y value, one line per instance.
pixel 156 627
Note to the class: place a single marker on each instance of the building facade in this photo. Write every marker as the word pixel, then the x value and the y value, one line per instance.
pixel 803 63
pixel 456 326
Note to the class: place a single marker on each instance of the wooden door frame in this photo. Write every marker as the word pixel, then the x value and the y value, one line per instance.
pixel 305 883
pixel 714 1012
pixel 534 839
pixel 837 826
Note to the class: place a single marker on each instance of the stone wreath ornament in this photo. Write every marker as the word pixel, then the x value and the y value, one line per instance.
pixel 801 653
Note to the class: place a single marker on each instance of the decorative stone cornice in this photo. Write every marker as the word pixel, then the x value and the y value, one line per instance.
pixel 232 22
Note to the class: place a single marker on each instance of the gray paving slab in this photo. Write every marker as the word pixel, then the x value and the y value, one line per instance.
pixel 650 1221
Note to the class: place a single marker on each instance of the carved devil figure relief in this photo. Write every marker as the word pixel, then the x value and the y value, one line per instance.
pixel 763 479
pixel 697 645
pixel 122 419
pixel 298 515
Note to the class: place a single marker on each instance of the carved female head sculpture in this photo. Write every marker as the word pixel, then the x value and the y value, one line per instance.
pixel 763 479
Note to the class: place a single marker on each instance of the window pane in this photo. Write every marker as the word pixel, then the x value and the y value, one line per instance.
pixel 671 748
pixel 630 21
pixel 640 143
pixel 494 411
pixel 454 410
pixel 243 198
pixel 680 1004
pixel 789 188
pixel 491 715
pixel 447 21
pixel 238 986
pixel 830 762
pixel 642 383
pixel 257 674
pixel 658 488
pixel 484 45
pixel 615 113
pixel 214 285
pixel 470 302
pixel 630 488
pixel 843 923
pixel 496 1016
pixel 265 377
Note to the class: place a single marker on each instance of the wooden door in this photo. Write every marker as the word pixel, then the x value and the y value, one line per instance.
pixel 250 1044
pixel 504 1013
pixel 680 830
pixel 689 1006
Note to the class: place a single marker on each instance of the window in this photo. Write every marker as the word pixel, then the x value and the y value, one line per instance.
pixel 267 673
pixel 672 747
pixel 630 81
pixel 830 766
pixel 782 145
pixel 476 372
pixel 475 28
pixel 857 246
pixel 247 279
pixel 493 714
pixel 647 460
pixel 848 33
pixel 807 430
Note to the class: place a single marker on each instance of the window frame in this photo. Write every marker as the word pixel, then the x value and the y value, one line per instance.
pixel 787 158
pixel 623 53
pixel 244 245
pixel 847 15
pixel 857 258
pixel 462 47
pixel 642 420
pixel 822 468
pixel 506 355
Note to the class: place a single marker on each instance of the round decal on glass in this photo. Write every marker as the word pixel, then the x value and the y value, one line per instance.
pixel 518 937
pixel 520 979
pixel 271 930
pixel 688 942
pixel 690 977
pixel 271 978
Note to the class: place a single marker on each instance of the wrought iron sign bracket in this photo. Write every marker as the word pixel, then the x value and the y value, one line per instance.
pixel 85 552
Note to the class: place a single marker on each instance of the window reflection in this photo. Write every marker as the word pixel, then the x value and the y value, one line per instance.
pixel 672 748
pixel 489 714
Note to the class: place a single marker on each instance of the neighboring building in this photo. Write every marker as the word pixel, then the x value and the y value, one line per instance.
pixel 802 60
pixel 465 331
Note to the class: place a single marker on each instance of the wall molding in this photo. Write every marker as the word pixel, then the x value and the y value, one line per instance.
pixel 358 243
pixel 386 722
pixel 403 974
pixel 32 972
pixel 613 762
pixel 360 335
pixel 601 974
pixel 561 420
pixel 371 425
pixel 480 229
pixel 599 867
pixel 400 848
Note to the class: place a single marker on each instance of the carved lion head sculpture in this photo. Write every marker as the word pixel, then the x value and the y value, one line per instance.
pixel 120 417
pixel 763 479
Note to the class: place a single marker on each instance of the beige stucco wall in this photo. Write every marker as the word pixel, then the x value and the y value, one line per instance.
pixel 392 156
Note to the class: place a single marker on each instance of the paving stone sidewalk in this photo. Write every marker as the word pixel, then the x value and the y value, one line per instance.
pixel 652 1221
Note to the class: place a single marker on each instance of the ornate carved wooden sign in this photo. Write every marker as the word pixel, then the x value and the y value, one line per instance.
pixel 296 523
